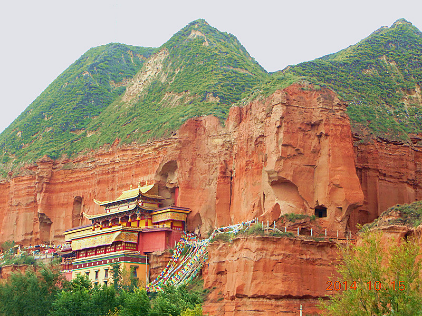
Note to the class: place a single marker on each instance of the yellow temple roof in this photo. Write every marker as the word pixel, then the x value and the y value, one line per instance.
pixel 102 238
pixel 88 216
pixel 152 191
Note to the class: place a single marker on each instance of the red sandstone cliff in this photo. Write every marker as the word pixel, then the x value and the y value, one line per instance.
pixel 268 276
pixel 389 174
pixel 291 152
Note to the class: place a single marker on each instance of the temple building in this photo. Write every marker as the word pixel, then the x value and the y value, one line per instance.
pixel 130 227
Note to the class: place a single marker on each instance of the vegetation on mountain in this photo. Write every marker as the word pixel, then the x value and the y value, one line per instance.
pixel 135 94
pixel 380 78
pixel 200 71
pixel 52 122
pixel 401 214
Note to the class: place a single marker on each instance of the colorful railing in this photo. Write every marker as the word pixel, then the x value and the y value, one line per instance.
pixel 188 258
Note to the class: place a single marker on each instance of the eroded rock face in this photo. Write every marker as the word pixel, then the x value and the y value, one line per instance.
pixel 37 209
pixel 291 152
pixel 292 155
pixel 158 261
pixel 390 174
pixel 268 276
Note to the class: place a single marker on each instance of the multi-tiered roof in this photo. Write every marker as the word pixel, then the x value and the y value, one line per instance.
pixel 132 204
pixel 132 225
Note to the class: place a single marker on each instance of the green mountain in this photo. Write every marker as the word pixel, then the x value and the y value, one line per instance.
pixel 69 104
pixel 199 71
pixel 380 77
pixel 133 94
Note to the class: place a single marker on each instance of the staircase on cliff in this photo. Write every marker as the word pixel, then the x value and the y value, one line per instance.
pixel 189 257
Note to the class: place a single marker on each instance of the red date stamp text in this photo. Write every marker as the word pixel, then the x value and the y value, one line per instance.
pixel 370 285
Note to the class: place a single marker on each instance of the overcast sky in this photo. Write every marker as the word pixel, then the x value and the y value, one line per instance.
pixel 40 39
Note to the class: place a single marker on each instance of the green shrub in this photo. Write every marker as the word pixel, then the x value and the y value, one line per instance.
pixel 255 229
pixel 409 215
pixel 292 217
pixel 225 237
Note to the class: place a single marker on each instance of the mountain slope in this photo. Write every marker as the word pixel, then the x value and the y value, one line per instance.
pixel 380 77
pixel 133 94
pixel 71 101
pixel 199 71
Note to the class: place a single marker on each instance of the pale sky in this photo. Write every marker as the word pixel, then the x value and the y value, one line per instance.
pixel 40 39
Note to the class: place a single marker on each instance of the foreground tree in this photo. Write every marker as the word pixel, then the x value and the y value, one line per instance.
pixel 135 303
pixel 377 278
pixel 173 301
pixel 46 292
pixel 30 294
pixel 81 298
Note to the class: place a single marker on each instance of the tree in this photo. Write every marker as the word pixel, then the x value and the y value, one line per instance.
pixel 83 299
pixel 135 303
pixel 117 275
pixel 377 278
pixel 197 311
pixel 173 301
pixel 30 294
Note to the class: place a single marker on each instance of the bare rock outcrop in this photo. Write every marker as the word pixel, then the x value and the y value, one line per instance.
pixel 289 153
pixel 268 276
pixel 390 174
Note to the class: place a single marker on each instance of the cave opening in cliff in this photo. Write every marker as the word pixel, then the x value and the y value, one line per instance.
pixel 45 227
pixel 168 187
pixel 408 236
pixel 320 211
pixel 76 211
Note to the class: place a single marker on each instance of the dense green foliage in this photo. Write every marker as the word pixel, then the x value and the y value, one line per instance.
pixel 30 294
pixel 46 292
pixel 377 77
pixel 52 122
pixel 382 279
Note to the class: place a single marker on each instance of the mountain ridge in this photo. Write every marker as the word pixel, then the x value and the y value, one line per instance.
pixel 135 94
pixel 126 92
pixel 380 78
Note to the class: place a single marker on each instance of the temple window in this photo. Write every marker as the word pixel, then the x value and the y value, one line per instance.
pixel 96 274
pixel 134 271
pixel 105 275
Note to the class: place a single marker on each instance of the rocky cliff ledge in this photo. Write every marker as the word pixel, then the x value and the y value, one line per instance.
pixel 289 153
pixel 389 173
pixel 268 276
